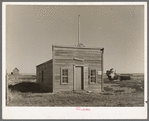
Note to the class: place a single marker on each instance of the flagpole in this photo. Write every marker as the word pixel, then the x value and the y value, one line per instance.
pixel 78 29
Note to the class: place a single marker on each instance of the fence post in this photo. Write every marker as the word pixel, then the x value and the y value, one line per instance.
pixel 6 78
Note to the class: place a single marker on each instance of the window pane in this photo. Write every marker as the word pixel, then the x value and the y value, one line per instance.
pixel 93 72
pixel 65 79
pixel 93 79
pixel 65 72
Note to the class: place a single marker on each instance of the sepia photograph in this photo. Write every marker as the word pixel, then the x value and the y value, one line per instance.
pixel 79 59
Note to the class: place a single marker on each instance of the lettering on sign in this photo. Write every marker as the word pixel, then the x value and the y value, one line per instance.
pixel 99 72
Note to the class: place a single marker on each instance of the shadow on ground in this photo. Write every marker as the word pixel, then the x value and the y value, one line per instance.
pixel 25 87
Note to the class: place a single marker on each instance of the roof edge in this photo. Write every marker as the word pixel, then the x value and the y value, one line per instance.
pixel 16 68
pixel 45 62
pixel 75 46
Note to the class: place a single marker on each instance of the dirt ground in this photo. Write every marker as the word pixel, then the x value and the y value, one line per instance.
pixel 127 93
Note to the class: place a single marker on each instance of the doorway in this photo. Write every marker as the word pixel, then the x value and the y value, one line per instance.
pixel 78 78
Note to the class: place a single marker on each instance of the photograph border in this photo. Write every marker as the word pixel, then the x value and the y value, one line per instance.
pixel 71 112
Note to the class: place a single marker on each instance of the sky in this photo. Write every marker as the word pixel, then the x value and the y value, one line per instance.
pixel 31 30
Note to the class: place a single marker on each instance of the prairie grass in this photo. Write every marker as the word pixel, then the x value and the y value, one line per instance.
pixel 74 99
pixel 138 85
pixel 117 94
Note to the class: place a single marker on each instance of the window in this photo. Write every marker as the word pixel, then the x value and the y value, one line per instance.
pixel 93 76
pixel 38 76
pixel 64 75
pixel 42 76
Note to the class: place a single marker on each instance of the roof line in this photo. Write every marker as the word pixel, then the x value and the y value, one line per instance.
pixel 73 46
pixel 45 62
pixel 16 68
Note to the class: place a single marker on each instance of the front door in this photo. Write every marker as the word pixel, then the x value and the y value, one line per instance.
pixel 79 78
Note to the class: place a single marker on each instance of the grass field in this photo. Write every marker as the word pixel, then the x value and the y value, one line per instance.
pixel 116 94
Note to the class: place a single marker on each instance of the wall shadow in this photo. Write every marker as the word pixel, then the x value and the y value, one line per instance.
pixel 25 87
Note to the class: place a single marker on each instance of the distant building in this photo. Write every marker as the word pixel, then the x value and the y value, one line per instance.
pixel 72 68
pixel 15 71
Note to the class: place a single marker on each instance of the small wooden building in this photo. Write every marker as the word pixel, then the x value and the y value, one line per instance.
pixel 15 71
pixel 72 68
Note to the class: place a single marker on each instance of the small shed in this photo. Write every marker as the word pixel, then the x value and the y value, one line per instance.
pixel 15 71
pixel 72 68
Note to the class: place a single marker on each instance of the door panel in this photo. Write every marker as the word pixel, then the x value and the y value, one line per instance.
pixel 78 78
pixel 86 76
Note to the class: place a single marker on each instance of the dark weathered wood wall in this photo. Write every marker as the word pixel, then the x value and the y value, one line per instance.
pixel 47 82
pixel 67 57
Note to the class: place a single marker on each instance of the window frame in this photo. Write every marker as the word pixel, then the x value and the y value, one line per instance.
pixel 90 82
pixel 42 76
pixel 61 75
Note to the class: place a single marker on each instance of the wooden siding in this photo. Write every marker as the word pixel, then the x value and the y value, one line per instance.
pixel 64 57
pixel 45 70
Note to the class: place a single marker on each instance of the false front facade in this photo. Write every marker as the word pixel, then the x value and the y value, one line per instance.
pixel 72 68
